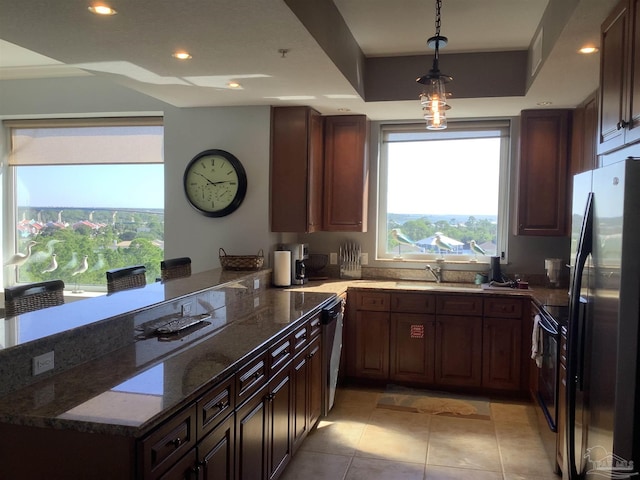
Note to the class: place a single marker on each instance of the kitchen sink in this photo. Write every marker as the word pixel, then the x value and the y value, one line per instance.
pixel 457 287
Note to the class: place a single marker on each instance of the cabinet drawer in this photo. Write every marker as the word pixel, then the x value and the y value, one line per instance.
pixel 163 447
pixel 251 377
pixel 300 338
pixel 373 301
pixel 280 354
pixel 315 327
pixel 503 307
pixel 459 305
pixel 215 405
pixel 413 303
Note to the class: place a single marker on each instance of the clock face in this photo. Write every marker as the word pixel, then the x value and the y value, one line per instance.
pixel 215 183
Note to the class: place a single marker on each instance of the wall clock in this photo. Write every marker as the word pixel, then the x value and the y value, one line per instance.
pixel 215 183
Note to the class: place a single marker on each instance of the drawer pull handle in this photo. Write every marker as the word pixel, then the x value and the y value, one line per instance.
pixel 176 442
pixel 221 405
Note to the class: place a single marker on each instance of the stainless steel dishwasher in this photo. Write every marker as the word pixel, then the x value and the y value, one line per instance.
pixel 332 322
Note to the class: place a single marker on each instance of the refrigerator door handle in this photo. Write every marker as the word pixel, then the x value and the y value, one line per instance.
pixel 574 370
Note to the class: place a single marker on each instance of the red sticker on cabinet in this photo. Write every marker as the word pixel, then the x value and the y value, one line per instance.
pixel 417 331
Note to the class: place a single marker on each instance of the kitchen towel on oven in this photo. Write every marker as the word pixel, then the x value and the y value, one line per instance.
pixel 536 342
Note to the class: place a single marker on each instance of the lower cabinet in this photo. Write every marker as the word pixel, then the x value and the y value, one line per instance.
pixel 466 341
pixel 263 430
pixel 307 397
pixel 412 347
pixel 371 349
pixel 251 437
pixel 216 458
pixel 458 351
pixel 501 353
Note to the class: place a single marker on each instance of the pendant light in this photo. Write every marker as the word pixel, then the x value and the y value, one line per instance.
pixel 434 98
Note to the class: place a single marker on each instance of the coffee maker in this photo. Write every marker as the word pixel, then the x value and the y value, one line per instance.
pixel 299 253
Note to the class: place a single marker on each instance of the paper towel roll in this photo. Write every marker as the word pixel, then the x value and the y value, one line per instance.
pixel 282 268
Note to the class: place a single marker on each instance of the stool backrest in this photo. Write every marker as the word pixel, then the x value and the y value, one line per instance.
pixel 33 296
pixel 125 278
pixel 175 268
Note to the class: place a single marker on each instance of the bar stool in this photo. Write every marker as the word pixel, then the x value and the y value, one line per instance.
pixel 125 278
pixel 34 296
pixel 175 268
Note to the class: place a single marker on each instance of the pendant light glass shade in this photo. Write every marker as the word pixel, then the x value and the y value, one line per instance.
pixel 434 97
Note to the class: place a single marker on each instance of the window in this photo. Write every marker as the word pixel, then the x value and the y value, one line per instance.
pixel 90 192
pixel 443 193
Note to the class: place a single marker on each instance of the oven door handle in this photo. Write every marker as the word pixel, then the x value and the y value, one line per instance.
pixel 546 325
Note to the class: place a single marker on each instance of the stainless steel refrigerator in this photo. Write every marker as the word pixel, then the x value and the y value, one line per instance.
pixel 603 370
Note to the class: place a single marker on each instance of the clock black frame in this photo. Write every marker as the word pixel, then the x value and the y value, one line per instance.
pixel 242 183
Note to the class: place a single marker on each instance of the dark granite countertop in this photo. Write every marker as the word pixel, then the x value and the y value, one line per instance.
pixel 132 389
pixel 541 295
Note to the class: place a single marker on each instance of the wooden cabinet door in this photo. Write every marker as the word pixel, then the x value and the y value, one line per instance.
pixel 280 413
pixel 346 173
pixel 458 350
pixel 371 345
pixel 314 365
pixel 184 469
pixel 296 169
pixel 501 353
pixel 216 452
pixel 251 438
pixel 544 164
pixel 633 108
pixel 300 399
pixel 412 347
pixel 619 119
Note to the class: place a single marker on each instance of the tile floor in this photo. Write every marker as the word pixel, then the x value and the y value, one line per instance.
pixel 358 441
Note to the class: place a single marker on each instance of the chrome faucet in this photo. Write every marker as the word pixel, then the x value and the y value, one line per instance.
pixel 436 272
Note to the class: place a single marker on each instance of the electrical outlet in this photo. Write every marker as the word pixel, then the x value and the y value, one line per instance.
pixel 333 258
pixel 186 309
pixel 43 363
pixel 364 259
pixel 256 302
pixel 256 284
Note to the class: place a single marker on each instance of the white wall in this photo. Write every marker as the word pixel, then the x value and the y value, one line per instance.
pixel 244 132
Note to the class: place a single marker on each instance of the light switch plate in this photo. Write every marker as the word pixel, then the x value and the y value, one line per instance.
pixel 364 259
pixel 333 258
pixel 256 284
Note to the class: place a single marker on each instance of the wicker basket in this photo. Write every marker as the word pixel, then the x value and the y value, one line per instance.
pixel 241 262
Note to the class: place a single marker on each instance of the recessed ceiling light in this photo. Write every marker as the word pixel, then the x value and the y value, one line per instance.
pixel 99 9
pixel 182 55
pixel 545 103
pixel 587 50
pixel 344 109
pixel 233 84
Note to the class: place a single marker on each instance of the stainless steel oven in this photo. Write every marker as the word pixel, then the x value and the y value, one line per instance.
pixel 548 320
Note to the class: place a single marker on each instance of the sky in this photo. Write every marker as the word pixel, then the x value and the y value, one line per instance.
pixel 457 177
pixel 92 186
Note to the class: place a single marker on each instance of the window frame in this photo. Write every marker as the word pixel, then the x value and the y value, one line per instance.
pixel 9 173
pixel 506 126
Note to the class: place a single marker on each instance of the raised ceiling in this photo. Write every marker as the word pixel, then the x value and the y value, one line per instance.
pixel 241 40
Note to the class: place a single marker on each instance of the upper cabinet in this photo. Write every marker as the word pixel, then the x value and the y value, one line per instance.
pixel 583 137
pixel 619 118
pixel 319 171
pixel 544 165
pixel 346 173
pixel 296 169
